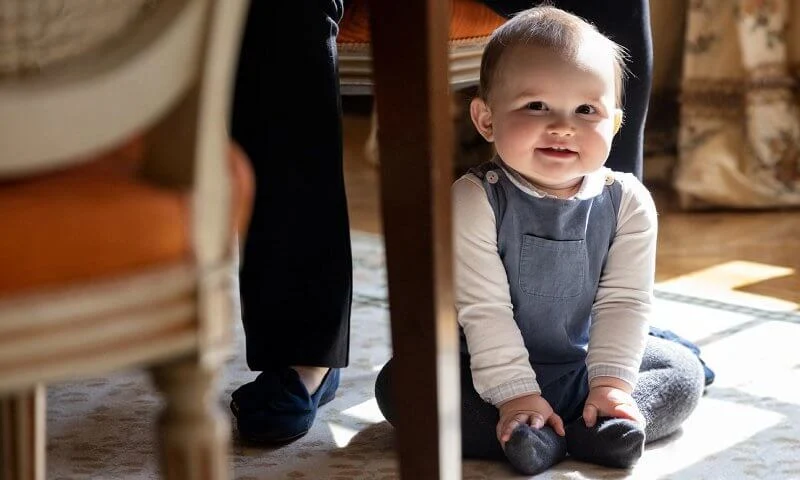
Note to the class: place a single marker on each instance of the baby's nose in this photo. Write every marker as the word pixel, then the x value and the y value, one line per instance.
pixel 560 128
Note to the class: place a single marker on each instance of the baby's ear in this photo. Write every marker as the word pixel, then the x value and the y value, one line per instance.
pixel 617 120
pixel 481 117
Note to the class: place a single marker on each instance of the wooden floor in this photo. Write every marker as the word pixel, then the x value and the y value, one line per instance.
pixel 750 258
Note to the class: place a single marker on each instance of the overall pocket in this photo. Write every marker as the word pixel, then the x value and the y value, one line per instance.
pixel 552 268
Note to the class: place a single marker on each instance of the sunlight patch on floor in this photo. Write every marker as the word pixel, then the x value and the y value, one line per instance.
pixel 778 386
pixel 341 434
pixel 696 322
pixel 760 360
pixel 357 417
pixel 721 282
pixel 714 427
pixel 367 411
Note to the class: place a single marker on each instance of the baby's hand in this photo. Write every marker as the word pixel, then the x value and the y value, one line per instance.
pixel 531 410
pixel 610 401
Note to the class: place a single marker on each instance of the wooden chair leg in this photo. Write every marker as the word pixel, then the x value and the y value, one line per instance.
pixel 194 432
pixel 22 435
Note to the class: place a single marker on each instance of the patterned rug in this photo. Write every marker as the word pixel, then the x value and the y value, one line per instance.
pixel 746 427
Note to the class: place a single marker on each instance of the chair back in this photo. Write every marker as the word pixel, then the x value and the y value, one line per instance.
pixel 160 68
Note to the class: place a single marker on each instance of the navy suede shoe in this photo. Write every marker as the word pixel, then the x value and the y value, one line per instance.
pixel 277 408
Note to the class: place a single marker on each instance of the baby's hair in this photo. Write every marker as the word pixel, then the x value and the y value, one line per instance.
pixel 547 27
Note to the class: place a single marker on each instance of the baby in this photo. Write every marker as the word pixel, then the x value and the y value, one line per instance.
pixel 555 263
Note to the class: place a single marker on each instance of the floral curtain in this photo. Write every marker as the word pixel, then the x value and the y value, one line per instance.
pixel 739 132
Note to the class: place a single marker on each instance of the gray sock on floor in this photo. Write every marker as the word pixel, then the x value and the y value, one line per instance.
pixel 613 442
pixel 532 451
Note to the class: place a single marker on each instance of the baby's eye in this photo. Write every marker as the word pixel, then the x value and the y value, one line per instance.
pixel 537 106
pixel 585 110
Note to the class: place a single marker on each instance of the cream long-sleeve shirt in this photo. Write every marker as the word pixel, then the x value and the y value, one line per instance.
pixel 617 336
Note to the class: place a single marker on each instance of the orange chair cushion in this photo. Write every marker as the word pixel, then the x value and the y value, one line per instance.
pixel 468 19
pixel 97 220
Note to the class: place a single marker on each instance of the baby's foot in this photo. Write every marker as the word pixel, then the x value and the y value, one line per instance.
pixel 613 442
pixel 532 451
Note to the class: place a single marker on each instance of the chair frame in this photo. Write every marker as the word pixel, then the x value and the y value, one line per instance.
pixel 417 225
pixel 175 69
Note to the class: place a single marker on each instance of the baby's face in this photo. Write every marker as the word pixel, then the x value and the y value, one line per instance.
pixel 553 118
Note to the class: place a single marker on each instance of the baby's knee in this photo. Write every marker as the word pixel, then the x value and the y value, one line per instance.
pixel 665 354
pixel 686 366
pixel 686 382
pixel 383 391
pixel 673 373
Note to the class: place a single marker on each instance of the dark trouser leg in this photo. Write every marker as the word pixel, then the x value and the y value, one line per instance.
pixel 296 278
pixel 627 22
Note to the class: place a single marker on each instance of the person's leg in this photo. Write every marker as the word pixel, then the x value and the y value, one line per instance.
pixel 670 384
pixel 674 337
pixel 296 276
pixel 627 22
pixel 529 451
pixel 478 418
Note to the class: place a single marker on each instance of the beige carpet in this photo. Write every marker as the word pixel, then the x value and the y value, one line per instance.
pixel 746 427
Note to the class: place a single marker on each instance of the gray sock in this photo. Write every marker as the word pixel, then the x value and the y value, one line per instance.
pixel 613 442
pixel 532 451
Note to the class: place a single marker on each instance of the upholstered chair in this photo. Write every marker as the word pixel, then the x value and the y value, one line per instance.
pixel 471 25
pixel 120 201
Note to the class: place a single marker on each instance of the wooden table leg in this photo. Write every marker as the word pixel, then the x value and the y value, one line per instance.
pixel 410 67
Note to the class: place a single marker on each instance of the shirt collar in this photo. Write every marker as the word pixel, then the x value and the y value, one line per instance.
pixel 592 185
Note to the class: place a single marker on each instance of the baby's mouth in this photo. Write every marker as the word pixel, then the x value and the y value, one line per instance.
pixel 561 152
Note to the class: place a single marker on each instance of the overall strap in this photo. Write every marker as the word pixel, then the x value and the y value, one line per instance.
pixel 614 188
pixel 481 170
